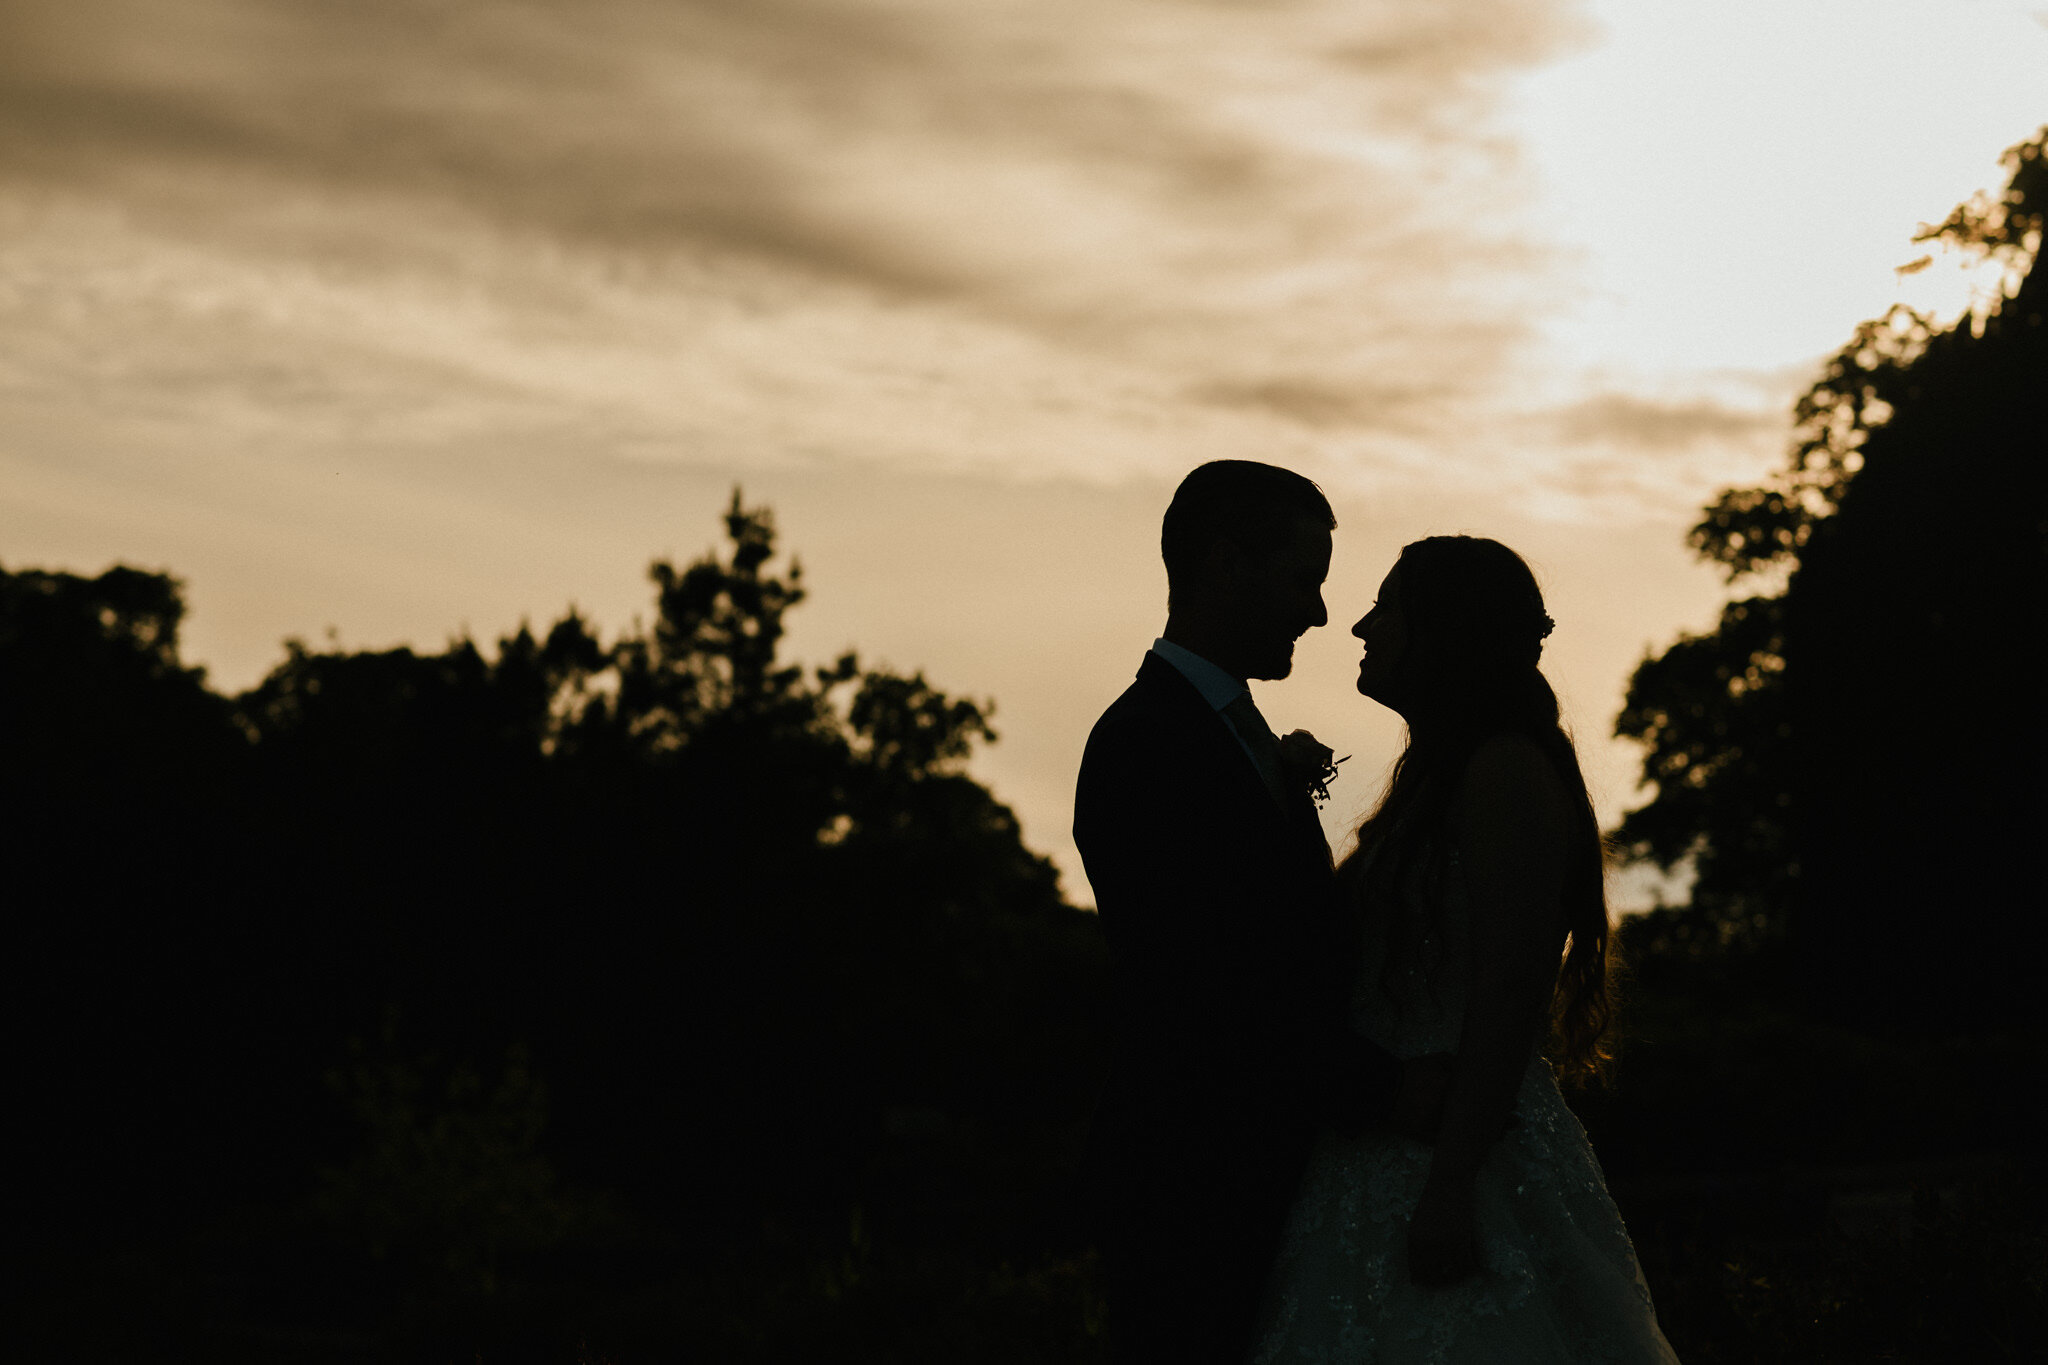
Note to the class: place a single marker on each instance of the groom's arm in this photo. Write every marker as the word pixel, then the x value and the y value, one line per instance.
pixel 1184 900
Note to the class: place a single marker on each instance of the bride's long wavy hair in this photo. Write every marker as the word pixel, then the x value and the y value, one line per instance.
pixel 1475 628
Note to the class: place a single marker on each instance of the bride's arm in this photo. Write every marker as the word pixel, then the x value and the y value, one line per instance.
pixel 1511 827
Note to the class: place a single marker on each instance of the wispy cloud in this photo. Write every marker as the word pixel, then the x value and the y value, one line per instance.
pixel 1634 423
pixel 1049 237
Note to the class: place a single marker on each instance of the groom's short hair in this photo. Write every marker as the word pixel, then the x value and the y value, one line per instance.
pixel 1255 505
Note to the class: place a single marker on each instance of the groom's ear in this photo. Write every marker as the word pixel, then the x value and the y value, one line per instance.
pixel 1227 566
pixel 1219 574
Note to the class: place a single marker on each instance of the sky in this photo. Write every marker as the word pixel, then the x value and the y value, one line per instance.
pixel 383 322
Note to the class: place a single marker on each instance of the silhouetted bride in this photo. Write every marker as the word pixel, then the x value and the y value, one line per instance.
pixel 1479 873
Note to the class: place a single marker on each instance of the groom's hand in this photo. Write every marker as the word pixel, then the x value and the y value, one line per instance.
pixel 1419 1108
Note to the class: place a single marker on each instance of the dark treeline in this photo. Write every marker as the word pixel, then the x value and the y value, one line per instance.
pixel 402 980
pixel 1824 1132
pixel 1853 759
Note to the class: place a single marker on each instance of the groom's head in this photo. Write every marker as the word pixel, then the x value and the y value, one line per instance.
pixel 1247 547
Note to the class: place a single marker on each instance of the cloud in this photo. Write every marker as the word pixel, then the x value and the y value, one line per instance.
pixel 1007 233
pixel 1650 425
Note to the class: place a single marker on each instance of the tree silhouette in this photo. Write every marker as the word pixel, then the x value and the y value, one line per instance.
pixel 1852 763
pixel 713 916
pixel 95 705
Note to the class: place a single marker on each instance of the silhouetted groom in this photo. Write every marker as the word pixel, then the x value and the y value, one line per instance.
pixel 1216 894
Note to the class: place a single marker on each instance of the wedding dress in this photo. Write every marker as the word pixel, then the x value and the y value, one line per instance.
pixel 1560 1280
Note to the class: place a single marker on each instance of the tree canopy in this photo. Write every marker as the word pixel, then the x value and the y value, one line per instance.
pixel 688 896
pixel 1851 762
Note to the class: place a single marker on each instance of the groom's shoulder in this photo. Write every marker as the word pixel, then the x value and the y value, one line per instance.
pixel 1152 701
pixel 1154 720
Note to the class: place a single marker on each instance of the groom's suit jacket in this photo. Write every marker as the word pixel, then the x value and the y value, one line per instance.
pixel 1229 974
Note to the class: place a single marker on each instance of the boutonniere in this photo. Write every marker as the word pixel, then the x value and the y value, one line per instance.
pixel 1309 763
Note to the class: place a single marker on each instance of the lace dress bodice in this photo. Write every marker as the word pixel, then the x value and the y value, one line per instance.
pixel 1415 961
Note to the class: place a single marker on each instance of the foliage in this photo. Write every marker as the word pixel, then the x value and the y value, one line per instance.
pixel 450 1177
pixel 1711 711
pixel 1961 1276
pixel 678 932
pixel 94 702
pixel 1839 759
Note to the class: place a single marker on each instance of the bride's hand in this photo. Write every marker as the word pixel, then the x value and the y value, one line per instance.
pixel 1443 1235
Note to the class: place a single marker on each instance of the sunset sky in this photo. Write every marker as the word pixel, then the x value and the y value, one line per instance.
pixel 406 317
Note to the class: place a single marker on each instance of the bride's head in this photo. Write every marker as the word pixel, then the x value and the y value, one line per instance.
pixel 1454 639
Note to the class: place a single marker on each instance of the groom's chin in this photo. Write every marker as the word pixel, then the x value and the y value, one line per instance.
pixel 1277 667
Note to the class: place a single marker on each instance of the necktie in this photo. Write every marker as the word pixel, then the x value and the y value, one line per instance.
pixel 1258 736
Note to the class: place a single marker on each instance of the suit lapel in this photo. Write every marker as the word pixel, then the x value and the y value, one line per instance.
pixel 1295 823
pixel 1205 726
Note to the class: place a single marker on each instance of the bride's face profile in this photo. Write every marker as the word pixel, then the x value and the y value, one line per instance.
pixel 1384 630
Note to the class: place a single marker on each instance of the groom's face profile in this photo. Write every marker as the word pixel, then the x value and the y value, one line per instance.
pixel 1278 596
